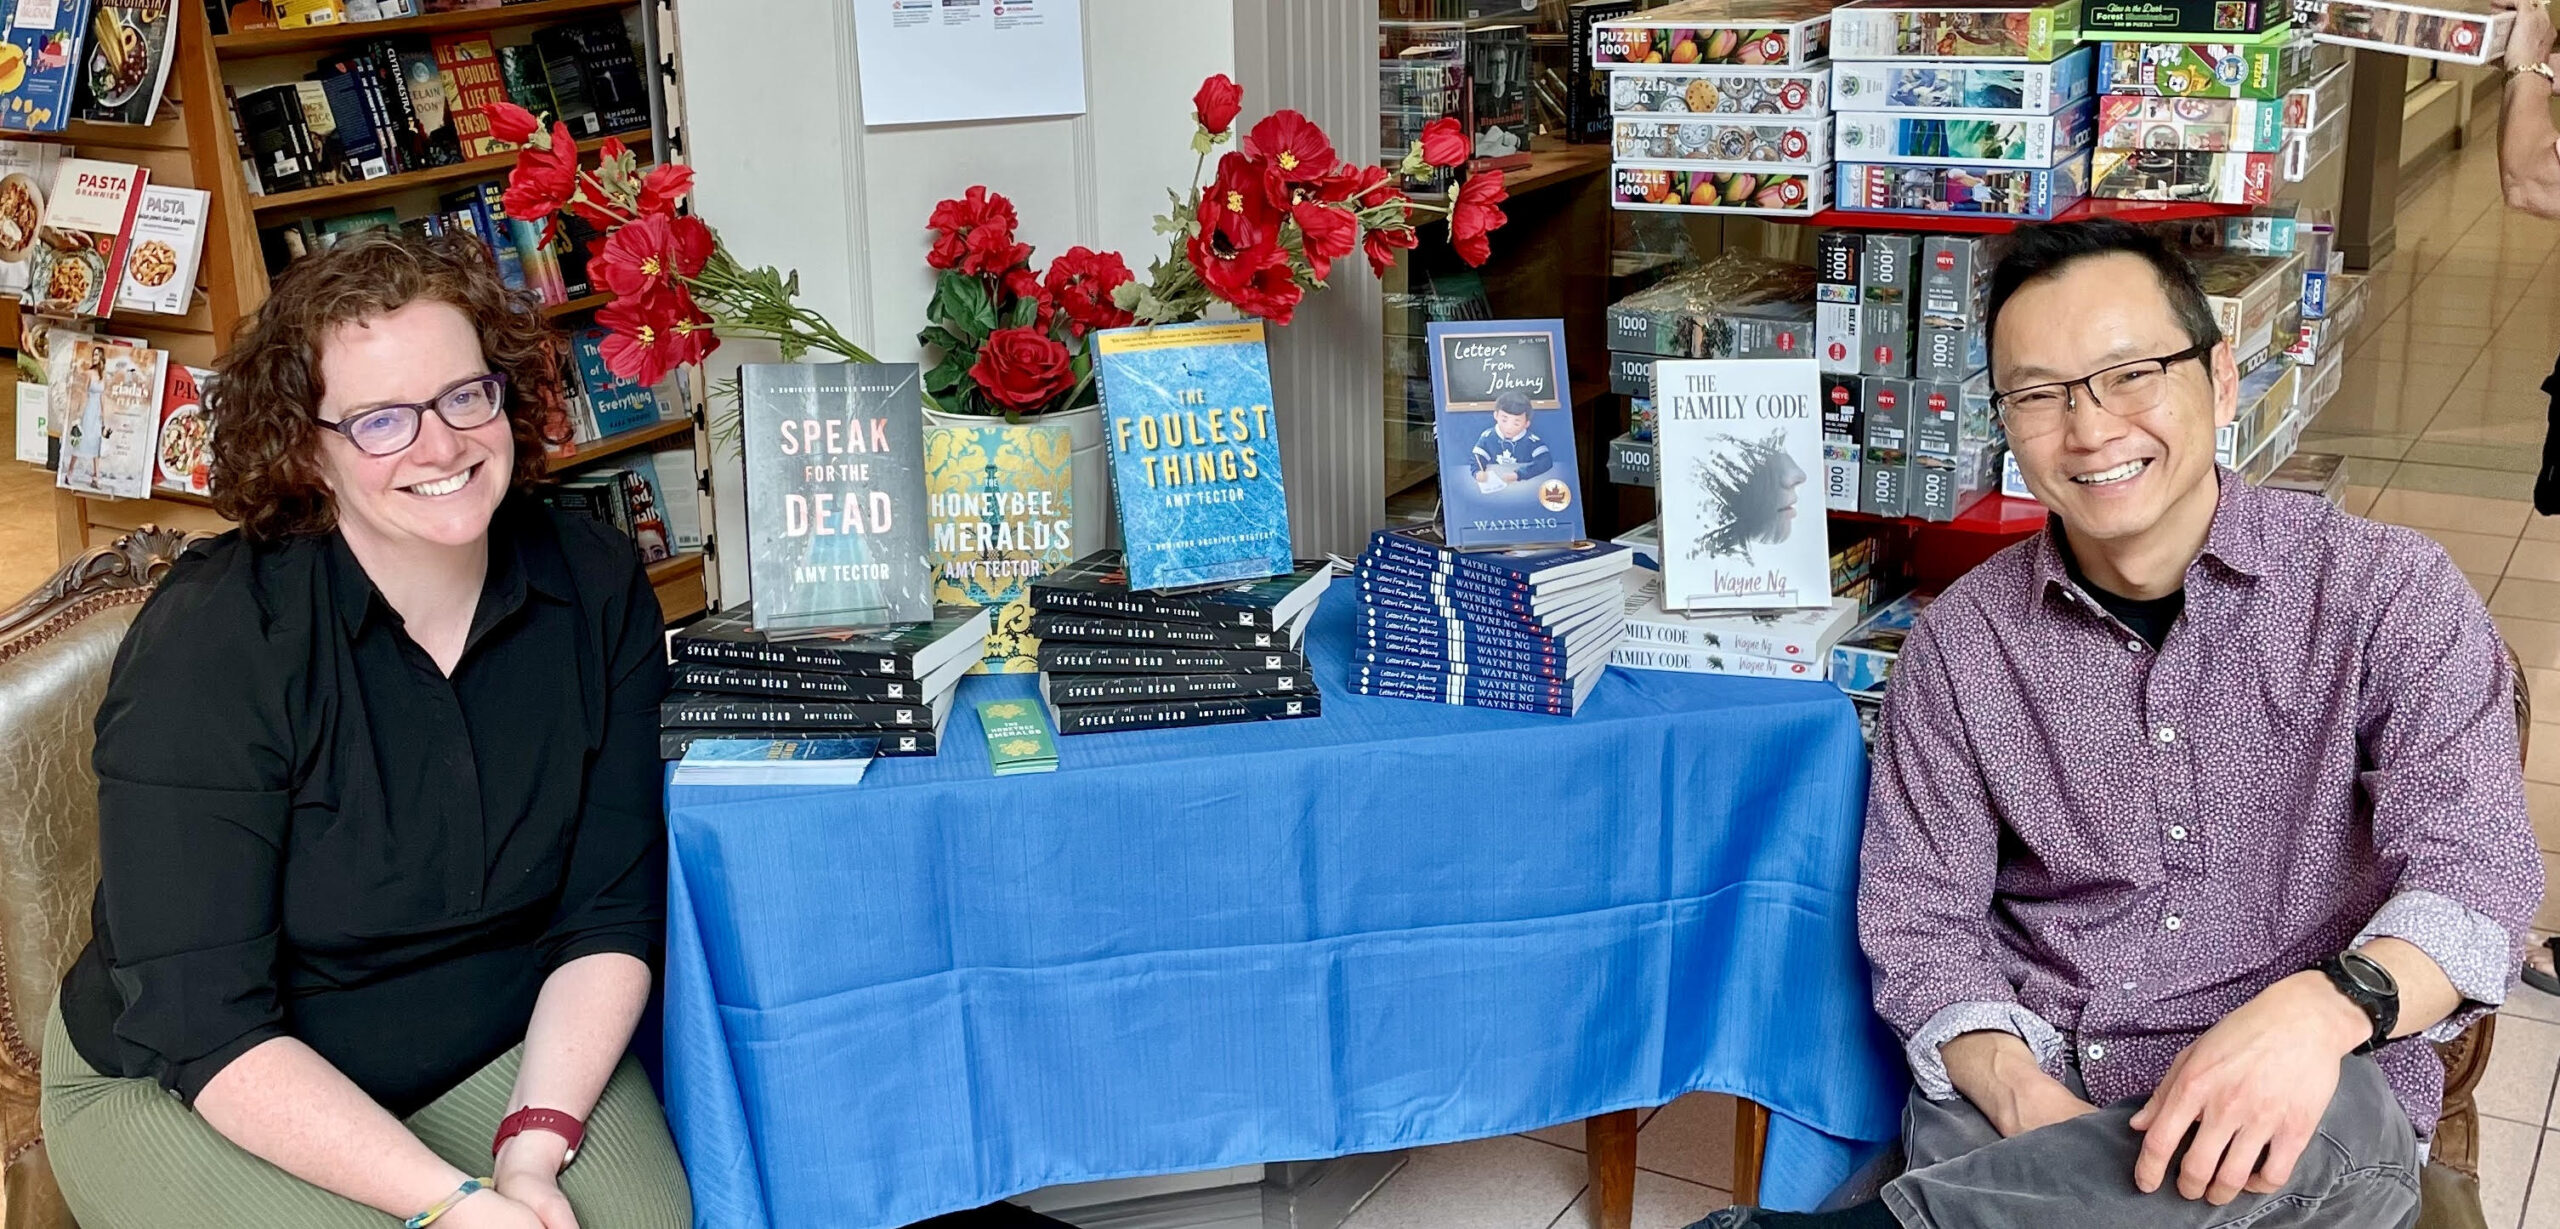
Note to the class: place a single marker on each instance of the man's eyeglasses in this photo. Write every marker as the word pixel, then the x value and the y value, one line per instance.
pixel 385 429
pixel 2124 390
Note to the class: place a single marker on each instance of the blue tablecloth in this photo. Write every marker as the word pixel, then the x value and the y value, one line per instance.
pixel 1398 924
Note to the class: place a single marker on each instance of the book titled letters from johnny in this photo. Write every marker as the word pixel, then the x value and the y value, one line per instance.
pixel 1195 453
pixel 1508 475
pixel 1738 438
pixel 835 495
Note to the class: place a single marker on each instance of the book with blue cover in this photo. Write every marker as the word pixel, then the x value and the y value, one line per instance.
pixel 1504 413
pixel 1491 671
pixel 1521 661
pixel 835 495
pixel 1478 587
pixel 1195 453
pixel 620 405
pixel 740 761
pixel 1535 568
pixel 1003 516
pixel 1547 616
pixel 1100 584
pixel 39 64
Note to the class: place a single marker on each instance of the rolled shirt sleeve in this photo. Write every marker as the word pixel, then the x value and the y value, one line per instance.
pixel 2438 730
pixel 1927 869
pixel 613 898
pixel 192 757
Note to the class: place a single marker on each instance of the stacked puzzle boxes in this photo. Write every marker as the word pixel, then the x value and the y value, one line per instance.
pixel 1738 306
pixel 1947 107
pixel 2211 115
pixel 1719 106
pixel 1900 334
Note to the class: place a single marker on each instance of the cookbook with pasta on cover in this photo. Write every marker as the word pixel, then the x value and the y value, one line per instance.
pixel 124 66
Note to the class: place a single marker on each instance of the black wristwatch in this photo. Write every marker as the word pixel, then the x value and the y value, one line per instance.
pixel 2369 986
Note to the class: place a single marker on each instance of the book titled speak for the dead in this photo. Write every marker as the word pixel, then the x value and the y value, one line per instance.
pixel 1738 440
pixel 1195 453
pixel 835 495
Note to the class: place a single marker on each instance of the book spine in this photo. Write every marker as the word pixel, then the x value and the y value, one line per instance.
pixel 792 657
pixel 1373 617
pixel 1451 604
pixel 395 152
pixel 1462 583
pixel 1141 606
pixel 1103 718
pixel 1543 691
pixel 492 219
pixel 1706 661
pixel 1119 659
pixel 1491 671
pixel 1530 662
pixel 1123 631
pixel 121 244
pixel 1443 695
pixel 1131 688
pixel 788 715
pixel 672 744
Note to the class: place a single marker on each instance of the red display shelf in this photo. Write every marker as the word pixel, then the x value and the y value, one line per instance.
pixel 1996 516
pixel 2137 212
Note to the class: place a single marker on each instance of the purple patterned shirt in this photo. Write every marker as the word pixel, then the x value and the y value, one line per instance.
pixel 2105 850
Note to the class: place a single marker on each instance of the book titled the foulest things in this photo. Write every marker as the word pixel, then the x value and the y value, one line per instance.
pixel 835 494
pixel 1195 453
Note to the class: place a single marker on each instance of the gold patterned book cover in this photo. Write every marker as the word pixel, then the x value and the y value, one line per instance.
pixel 1002 517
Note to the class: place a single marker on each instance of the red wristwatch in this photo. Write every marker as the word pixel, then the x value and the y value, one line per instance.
pixel 531 1119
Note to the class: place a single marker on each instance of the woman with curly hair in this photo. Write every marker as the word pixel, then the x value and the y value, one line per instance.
pixel 381 863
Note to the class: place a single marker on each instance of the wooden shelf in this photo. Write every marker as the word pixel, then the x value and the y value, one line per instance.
pixel 574 306
pixel 615 445
pixel 686 564
pixel 252 43
pixel 2139 213
pixel 1554 166
pixel 492 166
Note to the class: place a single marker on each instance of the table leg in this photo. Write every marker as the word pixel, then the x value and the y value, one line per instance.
pixel 1750 1144
pixel 1609 1145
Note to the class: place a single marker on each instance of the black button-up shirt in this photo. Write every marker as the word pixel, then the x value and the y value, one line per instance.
pixel 306 829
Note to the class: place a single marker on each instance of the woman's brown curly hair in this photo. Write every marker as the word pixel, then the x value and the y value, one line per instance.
pixel 267 386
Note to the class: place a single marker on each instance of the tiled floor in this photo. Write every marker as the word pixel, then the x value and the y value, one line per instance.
pixel 2442 414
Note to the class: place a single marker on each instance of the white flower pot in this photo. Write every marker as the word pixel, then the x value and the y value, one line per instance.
pixel 1097 523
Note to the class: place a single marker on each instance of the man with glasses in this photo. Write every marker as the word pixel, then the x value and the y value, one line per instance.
pixel 2194 819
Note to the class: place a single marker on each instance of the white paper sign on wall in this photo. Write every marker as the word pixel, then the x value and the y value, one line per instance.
pixel 945 61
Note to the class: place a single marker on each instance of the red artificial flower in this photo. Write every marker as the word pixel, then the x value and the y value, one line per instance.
pixel 694 339
pixel 1254 276
pixel 1444 143
pixel 1328 233
pixel 1382 244
pixel 544 180
pixel 641 343
pixel 1474 214
pixel 954 221
pixel 991 252
pixel 1239 191
pixel 511 124
pixel 1372 186
pixel 1021 283
pixel 1023 369
pixel 1081 282
pixel 664 185
pixel 1292 147
pixel 651 254
pixel 1216 104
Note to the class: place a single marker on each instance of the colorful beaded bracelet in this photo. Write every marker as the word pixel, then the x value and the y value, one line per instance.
pixel 469 1187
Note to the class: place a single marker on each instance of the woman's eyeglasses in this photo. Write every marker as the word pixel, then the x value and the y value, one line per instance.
pixel 385 429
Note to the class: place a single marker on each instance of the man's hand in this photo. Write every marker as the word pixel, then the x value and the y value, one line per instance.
pixel 528 1171
pixel 1998 1073
pixel 2255 1084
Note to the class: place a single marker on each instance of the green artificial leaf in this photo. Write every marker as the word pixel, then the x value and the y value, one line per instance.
pixel 1202 142
pixel 939 338
pixel 972 311
pixel 948 375
pixel 1413 167
pixel 1025 310
pixel 1125 295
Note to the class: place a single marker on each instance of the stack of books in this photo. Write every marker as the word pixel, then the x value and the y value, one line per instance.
pixel 1112 658
pixel 1529 630
pixel 894 684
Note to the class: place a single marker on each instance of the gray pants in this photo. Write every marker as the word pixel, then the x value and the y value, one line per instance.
pixel 2360 1170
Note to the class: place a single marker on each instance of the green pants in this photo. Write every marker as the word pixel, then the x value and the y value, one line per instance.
pixel 129 1156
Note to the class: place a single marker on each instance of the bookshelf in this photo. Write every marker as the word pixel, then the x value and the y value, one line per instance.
pixel 192 144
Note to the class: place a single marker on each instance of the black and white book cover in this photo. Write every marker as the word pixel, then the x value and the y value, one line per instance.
pixel 1738 441
pixel 835 495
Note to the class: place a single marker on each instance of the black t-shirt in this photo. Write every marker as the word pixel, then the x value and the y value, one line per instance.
pixel 306 829
pixel 2149 618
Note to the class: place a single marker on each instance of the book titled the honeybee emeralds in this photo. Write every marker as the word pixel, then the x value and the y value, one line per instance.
pixel 1003 516
pixel 1195 453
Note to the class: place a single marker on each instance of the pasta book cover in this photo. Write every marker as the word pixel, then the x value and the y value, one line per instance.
pixel 1195 452
pixel 835 495
pixel 1738 439
pixel 1002 516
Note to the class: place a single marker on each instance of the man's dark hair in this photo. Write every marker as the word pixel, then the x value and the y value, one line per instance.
pixel 2038 251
